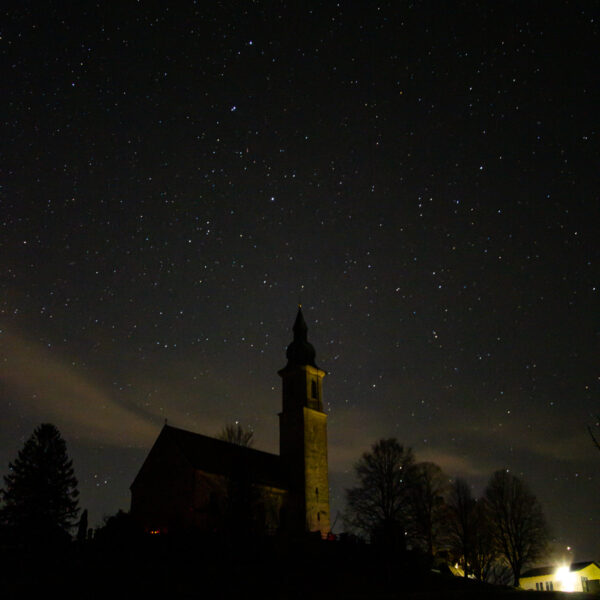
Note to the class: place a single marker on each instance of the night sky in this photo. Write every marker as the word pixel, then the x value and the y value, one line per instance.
pixel 422 176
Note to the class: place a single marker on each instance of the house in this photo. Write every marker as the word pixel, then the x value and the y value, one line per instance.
pixel 193 482
pixel 578 577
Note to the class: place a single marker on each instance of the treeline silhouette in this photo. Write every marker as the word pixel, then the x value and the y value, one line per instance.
pixel 396 501
pixel 401 503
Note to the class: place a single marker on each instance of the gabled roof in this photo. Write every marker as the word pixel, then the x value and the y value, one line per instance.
pixel 223 458
pixel 540 571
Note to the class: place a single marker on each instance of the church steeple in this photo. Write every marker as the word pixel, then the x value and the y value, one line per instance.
pixel 300 328
pixel 300 351
pixel 303 433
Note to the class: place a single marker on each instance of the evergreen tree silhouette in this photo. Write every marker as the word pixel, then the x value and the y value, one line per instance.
pixel 40 494
pixel 82 527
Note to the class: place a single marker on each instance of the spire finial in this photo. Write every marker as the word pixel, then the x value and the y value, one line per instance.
pixel 300 327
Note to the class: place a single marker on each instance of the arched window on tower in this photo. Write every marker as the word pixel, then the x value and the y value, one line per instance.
pixel 314 390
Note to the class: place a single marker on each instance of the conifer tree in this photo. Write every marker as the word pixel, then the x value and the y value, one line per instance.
pixel 82 527
pixel 40 493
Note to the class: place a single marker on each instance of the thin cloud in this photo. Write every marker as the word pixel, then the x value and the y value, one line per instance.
pixel 556 440
pixel 453 464
pixel 39 383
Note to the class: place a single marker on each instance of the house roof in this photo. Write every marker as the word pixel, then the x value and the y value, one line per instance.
pixel 539 571
pixel 224 458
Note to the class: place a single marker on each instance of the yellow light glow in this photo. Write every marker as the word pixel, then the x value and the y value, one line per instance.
pixel 566 578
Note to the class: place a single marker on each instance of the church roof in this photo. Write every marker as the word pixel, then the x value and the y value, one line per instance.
pixel 540 571
pixel 224 458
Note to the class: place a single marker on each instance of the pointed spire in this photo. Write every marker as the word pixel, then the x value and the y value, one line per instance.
pixel 300 329
pixel 300 351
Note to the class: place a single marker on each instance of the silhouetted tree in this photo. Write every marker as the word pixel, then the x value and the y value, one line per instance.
pixel 484 556
pixel 462 523
pixel 428 486
pixel 517 524
pixel 236 434
pixel 468 532
pixel 82 527
pixel 117 529
pixel 379 505
pixel 40 495
pixel 500 573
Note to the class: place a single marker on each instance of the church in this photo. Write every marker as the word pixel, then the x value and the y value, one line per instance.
pixel 194 482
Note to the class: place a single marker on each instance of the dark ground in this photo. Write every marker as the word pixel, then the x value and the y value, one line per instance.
pixel 182 568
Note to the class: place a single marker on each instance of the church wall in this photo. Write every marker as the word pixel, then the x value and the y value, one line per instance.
pixel 273 500
pixel 212 504
pixel 161 495
pixel 208 501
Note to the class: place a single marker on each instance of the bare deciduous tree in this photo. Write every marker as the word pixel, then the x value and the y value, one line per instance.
pixel 379 505
pixel 518 527
pixel 483 557
pixel 428 486
pixel 461 524
pixel 236 434
pixel 469 533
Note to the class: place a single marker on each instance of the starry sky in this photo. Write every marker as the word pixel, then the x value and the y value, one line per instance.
pixel 423 177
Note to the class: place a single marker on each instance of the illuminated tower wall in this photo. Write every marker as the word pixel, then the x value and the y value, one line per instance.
pixel 303 435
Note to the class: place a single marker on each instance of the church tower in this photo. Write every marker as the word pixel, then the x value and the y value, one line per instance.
pixel 303 435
